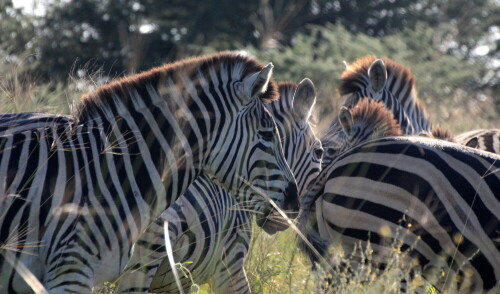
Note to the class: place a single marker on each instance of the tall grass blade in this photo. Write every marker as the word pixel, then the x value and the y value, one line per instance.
pixel 25 273
pixel 170 256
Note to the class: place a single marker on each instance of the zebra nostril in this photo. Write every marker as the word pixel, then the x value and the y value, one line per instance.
pixel 291 198
pixel 319 153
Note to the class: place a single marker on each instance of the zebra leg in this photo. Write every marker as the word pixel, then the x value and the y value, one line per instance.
pixel 146 256
pixel 69 272
pixel 230 276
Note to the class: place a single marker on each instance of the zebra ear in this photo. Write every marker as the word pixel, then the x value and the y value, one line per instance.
pixel 345 119
pixel 351 101
pixel 377 73
pixel 472 143
pixel 257 83
pixel 304 99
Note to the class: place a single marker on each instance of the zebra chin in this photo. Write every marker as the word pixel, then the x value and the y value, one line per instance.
pixel 273 224
pixel 271 220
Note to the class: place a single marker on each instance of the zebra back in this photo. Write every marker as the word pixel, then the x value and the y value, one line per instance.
pixel 12 123
pixel 390 82
pixel 434 202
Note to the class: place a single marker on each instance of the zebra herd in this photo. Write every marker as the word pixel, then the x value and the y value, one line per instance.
pixel 203 144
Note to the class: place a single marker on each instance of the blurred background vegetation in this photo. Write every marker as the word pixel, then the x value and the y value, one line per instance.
pixel 53 51
pixel 56 49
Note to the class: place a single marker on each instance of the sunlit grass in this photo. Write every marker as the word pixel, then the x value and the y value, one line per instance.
pixel 274 263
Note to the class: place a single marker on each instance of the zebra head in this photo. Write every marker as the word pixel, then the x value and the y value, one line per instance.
pixel 482 139
pixel 367 120
pixel 390 82
pixel 292 112
pixel 363 79
pixel 247 156
pixel 302 149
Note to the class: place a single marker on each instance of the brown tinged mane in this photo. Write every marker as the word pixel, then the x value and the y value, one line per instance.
pixel 286 88
pixel 375 114
pixel 359 69
pixel 442 134
pixel 188 67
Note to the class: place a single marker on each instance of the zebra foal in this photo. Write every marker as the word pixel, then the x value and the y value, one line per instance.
pixel 366 120
pixel 76 195
pixel 211 235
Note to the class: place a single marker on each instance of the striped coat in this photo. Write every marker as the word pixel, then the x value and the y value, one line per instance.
pixel 390 82
pixel 76 193
pixel 211 235
pixel 437 202
pixel 483 139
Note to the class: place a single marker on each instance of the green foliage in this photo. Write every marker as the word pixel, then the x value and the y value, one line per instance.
pixel 275 265
pixel 125 36
pixel 443 80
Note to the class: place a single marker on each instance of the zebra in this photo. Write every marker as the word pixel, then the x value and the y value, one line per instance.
pixel 213 233
pixel 437 200
pixel 388 81
pixel 368 119
pixel 483 139
pixel 11 123
pixel 76 196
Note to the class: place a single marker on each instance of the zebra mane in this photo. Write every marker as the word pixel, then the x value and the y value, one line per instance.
pixel 442 133
pixel 237 64
pixel 282 106
pixel 374 114
pixel 359 70
pixel 287 88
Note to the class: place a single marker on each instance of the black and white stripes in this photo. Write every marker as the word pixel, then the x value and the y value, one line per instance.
pixel 77 193
pixel 437 200
pixel 210 235
pixel 390 82
pixel 484 139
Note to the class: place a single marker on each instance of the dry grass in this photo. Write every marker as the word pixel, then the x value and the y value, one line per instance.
pixel 274 264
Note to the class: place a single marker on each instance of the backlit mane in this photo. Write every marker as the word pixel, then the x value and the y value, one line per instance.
pixel 242 64
pixel 373 114
pixel 442 133
pixel 359 69
pixel 287 88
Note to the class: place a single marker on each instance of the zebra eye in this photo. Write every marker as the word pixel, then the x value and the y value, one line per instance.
pixel 319 153
pixel 266 135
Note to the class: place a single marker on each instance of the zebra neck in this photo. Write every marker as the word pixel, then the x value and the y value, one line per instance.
pixel 158 140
